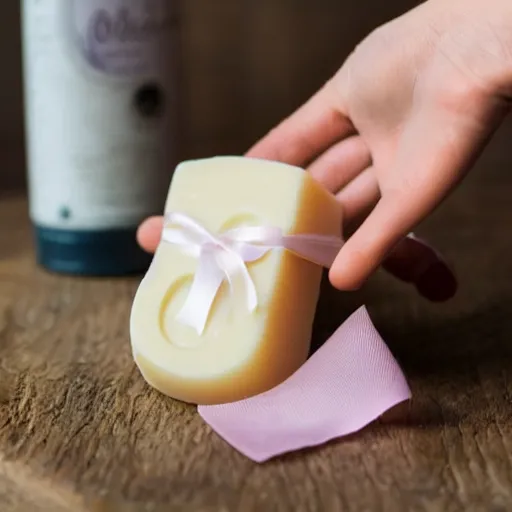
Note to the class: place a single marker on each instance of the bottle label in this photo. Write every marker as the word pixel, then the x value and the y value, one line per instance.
pixel 118 37
pixel 99 99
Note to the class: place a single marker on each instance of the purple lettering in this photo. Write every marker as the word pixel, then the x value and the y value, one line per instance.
pixel 124 26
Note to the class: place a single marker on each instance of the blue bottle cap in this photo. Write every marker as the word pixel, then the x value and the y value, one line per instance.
pixel 112 252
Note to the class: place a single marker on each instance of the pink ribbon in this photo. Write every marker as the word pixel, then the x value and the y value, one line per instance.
pixel 347 384
pixel 224 257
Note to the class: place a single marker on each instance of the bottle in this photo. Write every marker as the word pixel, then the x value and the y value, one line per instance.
pixel 100 93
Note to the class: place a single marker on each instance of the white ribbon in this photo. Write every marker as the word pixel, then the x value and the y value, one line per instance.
pixel 224 257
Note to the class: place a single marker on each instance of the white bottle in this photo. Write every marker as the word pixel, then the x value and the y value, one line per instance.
pixel 100 97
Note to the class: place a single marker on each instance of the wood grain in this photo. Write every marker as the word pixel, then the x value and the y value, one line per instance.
pixel 79 429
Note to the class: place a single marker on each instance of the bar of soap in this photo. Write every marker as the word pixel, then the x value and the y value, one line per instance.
pixel 240 353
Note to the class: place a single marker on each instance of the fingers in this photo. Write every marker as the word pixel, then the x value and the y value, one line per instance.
pixel 370 244
pixel 428 164
pixel 149 233
pixel 359 197
pixel 414 261
pixel 308 132
pixel 341 163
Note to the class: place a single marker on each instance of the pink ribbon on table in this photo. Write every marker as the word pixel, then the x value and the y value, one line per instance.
pixel 347 384
pixel 344 386
pixel 223 258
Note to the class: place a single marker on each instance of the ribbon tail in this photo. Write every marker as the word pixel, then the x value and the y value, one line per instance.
pixel 251 295
pixel 233 266
pixel 321 250
pixel 205 286
pixel 347 384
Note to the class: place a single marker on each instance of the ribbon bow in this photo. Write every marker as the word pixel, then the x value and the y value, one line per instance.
pixel 223 258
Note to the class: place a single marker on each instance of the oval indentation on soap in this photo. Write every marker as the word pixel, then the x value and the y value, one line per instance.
pixel 227 310
pixel 183 336
pixel 171 304
pixel 241 220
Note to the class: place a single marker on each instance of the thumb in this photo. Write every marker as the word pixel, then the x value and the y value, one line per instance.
pixel 437 147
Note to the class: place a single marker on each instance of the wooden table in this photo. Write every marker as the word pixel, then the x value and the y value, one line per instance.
pixel 79 429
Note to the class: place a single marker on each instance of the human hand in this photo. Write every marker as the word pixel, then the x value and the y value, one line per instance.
pixel 396 129
pixel 401 123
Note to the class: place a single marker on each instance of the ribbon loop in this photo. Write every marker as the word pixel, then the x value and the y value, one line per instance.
pixel 224 257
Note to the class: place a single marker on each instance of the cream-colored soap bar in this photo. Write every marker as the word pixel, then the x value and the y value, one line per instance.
pixel 240 353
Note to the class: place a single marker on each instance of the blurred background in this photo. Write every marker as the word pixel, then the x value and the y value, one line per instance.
pixel 246 65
